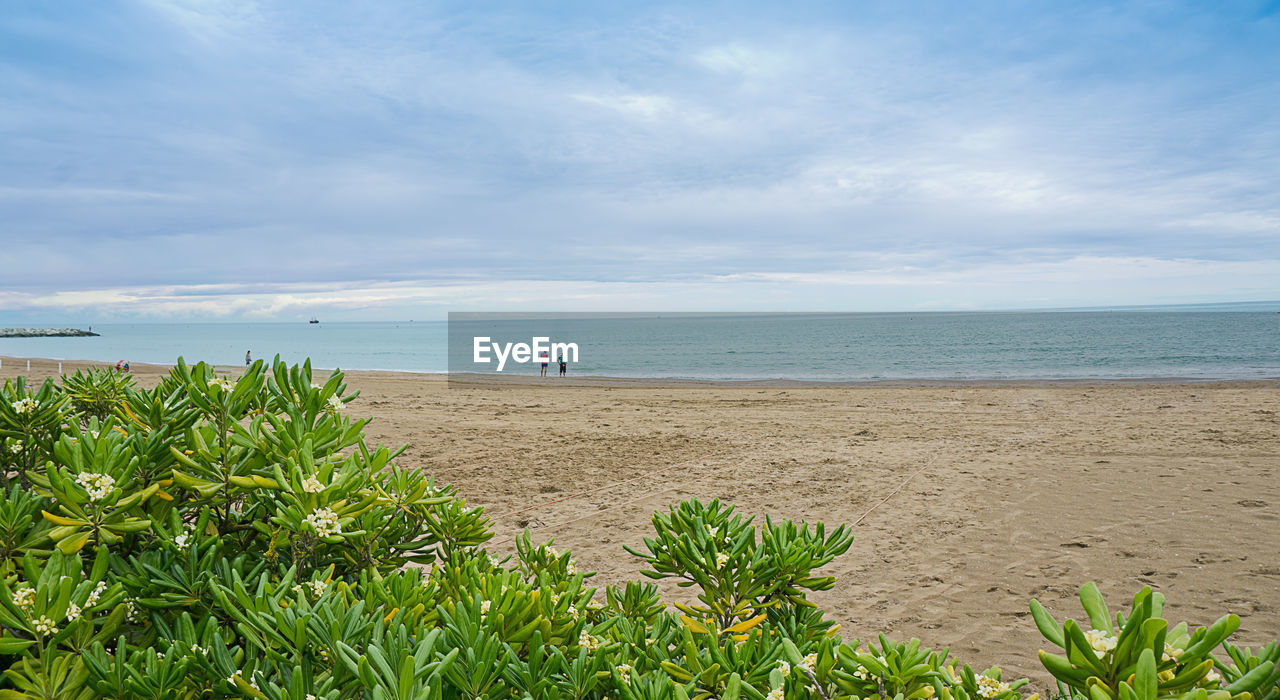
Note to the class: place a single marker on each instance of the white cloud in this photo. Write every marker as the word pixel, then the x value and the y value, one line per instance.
pixel 642 106
pixel 1244 221
pixel 884 284
pixel 209 20
pixel 86 194
pixel 744 60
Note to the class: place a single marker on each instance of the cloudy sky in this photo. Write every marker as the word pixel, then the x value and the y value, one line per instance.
pixel 194 159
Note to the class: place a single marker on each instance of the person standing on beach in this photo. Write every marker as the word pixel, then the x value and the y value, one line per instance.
pixel 246 358
pixel 563 365
pixel 543 358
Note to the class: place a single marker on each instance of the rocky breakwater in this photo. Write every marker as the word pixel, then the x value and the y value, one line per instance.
pixel 44 333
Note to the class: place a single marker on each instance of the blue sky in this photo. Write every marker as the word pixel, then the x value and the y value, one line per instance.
pixel 274 160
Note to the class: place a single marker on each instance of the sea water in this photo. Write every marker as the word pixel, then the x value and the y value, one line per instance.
pixel 823 347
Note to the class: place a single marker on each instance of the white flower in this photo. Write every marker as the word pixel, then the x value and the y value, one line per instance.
pixel 335 403
pixel 484 607
pixel 98 485
pixel 808 662
pixel 325 522
pixel 24 597
pixel 775 694
pixel 132 613
pixel 220 382
pixel 990 687
pixel 316 386
pixel 312 485
pixel 1100 641
pixel 181 540
pixel 573 611
pixel 44 626
pixel 317 588
pixel 73 612
pixel 784 667
pixel 1213 675
pixel 98 590
pixel 571 568
pixel 1171 653
pixel 624 672
pixel 722 558
pixel 588 642
pixel 25 405
pixel 15 447
pixel 309 695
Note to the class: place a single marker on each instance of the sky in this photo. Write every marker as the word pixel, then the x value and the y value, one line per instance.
pixel 201 160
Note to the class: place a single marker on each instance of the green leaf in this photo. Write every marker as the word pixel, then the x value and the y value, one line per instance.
pixel 75 543
pixel 1095 607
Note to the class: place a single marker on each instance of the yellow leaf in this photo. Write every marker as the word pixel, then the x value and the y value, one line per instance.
pixel 693 625
pixel 129 411
pixel 59 520
pixel 746 625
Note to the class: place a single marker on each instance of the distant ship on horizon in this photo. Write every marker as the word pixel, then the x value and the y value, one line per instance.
pixel 314 320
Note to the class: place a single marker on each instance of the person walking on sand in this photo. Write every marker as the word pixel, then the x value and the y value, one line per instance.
pixel 247 358
pixel 563 365
pixel 543 358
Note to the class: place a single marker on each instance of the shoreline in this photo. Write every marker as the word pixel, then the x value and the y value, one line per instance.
pixel 477 380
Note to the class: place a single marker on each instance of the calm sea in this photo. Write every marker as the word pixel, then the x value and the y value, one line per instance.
pixel 862 346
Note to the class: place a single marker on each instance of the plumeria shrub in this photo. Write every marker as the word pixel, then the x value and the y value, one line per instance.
pixel 224 536
pixel 30 422
pixel 741 574
pixel 1138 656
pixel 1263 664
pixel 97 391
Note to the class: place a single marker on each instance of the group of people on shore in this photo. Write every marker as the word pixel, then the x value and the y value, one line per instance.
pixel 564 365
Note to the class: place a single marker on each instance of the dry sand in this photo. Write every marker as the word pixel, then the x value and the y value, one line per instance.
pixel 996 493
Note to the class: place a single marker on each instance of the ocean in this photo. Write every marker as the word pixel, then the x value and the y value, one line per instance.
pixel 815 347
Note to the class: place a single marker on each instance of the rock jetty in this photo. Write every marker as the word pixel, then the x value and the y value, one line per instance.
pixel 44 333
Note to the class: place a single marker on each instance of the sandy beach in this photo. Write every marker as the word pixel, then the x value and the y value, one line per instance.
pixel 967 499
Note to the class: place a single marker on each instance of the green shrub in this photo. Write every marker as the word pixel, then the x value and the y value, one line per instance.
pixel 96 392
pixel 1138 656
